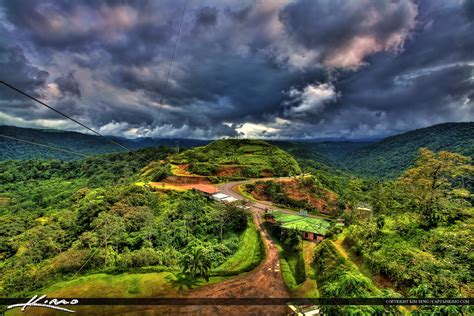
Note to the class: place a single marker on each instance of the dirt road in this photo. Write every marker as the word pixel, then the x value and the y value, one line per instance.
pixel 262 282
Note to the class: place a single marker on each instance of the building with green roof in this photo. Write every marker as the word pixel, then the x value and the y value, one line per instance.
pixel 311 227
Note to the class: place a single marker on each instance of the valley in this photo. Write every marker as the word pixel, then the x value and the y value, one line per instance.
pixel 154 228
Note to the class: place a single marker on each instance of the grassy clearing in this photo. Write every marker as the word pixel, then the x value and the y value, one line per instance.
pixel 162 284
pixel 250 253
pixel 287 273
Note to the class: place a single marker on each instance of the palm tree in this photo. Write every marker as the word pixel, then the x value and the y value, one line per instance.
pixel 196 264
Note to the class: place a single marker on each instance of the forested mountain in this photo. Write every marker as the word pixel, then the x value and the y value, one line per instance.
pixel 73 141
pixel 394 154
pixel 328 152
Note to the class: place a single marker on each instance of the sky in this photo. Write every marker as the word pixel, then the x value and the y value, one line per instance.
pixel 256 69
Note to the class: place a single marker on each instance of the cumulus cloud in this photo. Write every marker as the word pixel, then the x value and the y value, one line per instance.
pixel 311 100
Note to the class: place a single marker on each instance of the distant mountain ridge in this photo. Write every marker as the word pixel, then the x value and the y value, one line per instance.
pixel 74 141
pixel 392 155
pixel 385 158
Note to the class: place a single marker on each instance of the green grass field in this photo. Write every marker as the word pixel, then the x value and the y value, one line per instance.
pixel 248 256
pixel 163 284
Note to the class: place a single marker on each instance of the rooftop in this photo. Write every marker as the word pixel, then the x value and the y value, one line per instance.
pixel 206 188
pixel 219 196
pixel 302 223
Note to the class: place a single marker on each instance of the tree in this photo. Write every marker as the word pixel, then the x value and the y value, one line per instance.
pixel 111 229
pixel 231 215
pixel 430 183
pixel 196 263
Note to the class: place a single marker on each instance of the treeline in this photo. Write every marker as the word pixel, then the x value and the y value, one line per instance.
pixel 85 144
pixel 98 170
pixel 391 156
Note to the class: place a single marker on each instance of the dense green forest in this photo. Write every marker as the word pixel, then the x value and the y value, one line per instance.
pixel 61 218
pixel 238 158
pixel 417 236
pixel 329 153
pixel 381 159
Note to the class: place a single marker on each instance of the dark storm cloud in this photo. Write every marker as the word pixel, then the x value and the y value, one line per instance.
pixel 343 32
pixel 207 16
pixel 268 68
pixel 128 32
pixel 469 7
pixel 16 69
pixel 68 85
pixel 431 80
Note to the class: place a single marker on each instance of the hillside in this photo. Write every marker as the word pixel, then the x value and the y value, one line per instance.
pixel 237 158
pixel 299 193
pixel 325 152
pixel 78 142
pixel 394 154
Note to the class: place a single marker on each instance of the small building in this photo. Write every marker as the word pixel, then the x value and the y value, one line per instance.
pixel 311 228
pixel 223 198
pixel 229 199
pixel 206 189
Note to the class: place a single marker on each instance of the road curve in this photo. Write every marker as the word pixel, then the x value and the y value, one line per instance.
pixel 231 188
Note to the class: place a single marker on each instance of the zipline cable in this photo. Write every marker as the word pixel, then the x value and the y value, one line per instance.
pixel 63 114
pixel 158 117
pixel 42 145
pixel 57 148
pixel 165 86
pixel 92 130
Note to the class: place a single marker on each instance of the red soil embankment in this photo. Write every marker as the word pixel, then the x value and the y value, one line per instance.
pixel 317 198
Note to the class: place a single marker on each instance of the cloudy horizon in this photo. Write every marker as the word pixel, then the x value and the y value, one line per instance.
pixel 256 69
